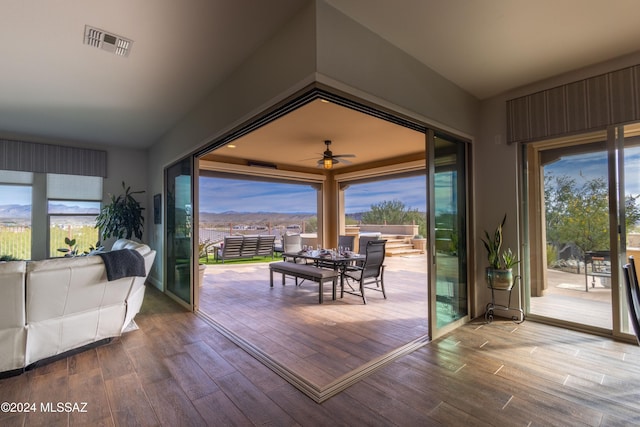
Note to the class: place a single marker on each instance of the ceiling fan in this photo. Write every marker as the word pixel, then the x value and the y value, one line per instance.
pixel 329 159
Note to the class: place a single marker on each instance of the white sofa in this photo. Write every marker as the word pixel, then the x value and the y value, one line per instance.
pixel 53 306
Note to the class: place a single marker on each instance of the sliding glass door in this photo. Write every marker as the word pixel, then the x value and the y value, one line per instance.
pixel 448 215
pixel 179 231
pixel 628 159
pixel 575 239
pixel 584 220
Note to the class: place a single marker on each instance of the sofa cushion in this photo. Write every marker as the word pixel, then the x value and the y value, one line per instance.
pixel 130 244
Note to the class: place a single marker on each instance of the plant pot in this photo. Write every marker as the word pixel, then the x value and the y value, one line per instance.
pixel 419 244
pixel 499 278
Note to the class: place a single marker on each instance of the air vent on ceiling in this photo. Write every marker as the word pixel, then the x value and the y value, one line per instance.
pixel 107 41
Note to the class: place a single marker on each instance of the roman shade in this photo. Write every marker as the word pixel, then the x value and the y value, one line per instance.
pixel 45 158
pixel 586 105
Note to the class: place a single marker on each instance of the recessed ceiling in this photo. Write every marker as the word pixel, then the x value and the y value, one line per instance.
pixel 296 140
pixel 55 87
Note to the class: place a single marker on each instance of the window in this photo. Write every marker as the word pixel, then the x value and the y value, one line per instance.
pixel 15 214
pixel 73 203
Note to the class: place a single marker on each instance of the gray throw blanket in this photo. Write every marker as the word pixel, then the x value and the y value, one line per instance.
pixel 123 263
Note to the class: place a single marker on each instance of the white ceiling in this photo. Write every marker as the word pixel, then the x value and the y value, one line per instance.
pixel 54 86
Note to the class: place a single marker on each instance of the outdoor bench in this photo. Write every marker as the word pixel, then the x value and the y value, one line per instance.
pixel 245 247
pixel 307 272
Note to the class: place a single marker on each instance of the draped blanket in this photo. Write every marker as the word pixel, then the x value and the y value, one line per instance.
pixel 123 263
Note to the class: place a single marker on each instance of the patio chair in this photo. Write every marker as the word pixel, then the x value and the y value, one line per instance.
pixel 633 295
pixel 371 271
pixel 362 243
pixel 346 242
pixel 292 243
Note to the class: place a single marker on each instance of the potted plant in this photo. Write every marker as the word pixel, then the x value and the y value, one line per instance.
pixel 203 252
pixel 73 251
pixel 122 217
pixel 499 274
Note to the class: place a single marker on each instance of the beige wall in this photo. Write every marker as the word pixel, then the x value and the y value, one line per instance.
pixel 496 167
pixel 369 66
pixel 319 44
pixel 283 65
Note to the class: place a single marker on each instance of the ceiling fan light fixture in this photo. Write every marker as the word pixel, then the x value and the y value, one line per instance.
pixel 327 163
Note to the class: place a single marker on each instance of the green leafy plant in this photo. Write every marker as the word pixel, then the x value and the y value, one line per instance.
pixel 8 258
pixel 493 244
pixel 72 249
pixel 122 217
pixel 204 247
pixel 497 258
pixel 509 259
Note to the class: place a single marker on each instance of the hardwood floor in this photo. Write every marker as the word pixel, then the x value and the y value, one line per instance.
pixel 176 370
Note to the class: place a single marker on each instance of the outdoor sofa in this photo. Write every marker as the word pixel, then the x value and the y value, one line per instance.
pixel 245 247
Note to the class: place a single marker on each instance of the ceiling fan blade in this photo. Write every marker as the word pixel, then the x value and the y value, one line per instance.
pixel 344 155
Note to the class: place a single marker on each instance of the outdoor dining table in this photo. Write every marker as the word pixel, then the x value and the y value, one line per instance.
pixel 325 258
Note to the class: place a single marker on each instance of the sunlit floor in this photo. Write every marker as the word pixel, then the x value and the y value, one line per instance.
pixel 319 342
pixel 567 299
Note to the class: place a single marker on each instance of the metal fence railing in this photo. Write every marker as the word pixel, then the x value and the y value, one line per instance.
pixel 15 241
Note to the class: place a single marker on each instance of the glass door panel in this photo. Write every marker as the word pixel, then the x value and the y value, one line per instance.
pixel 629 191
pixel 448 234
pixel 574 234
pixel 179 233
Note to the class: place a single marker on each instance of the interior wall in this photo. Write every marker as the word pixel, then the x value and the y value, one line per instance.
pixel 318 45
pixel 282 66
pixel 497 174
pixel 353 55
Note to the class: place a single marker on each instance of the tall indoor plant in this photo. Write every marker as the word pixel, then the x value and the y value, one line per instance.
pixel 122 217
pixel 499 273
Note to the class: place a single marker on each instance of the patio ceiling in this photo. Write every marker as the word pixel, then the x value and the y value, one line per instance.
pixel 296 140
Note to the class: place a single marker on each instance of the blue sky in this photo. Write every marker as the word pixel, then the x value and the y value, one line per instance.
pixel 410 191
pixel 221 195
pixel 19 195
pixel 584 167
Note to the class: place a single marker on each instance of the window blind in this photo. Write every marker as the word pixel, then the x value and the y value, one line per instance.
pixel 69 187
pixel 46 158
pixel 590 104
pixel 13 177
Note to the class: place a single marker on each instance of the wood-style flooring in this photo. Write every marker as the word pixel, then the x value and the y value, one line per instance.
pixel 318 343
pixel 178 371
